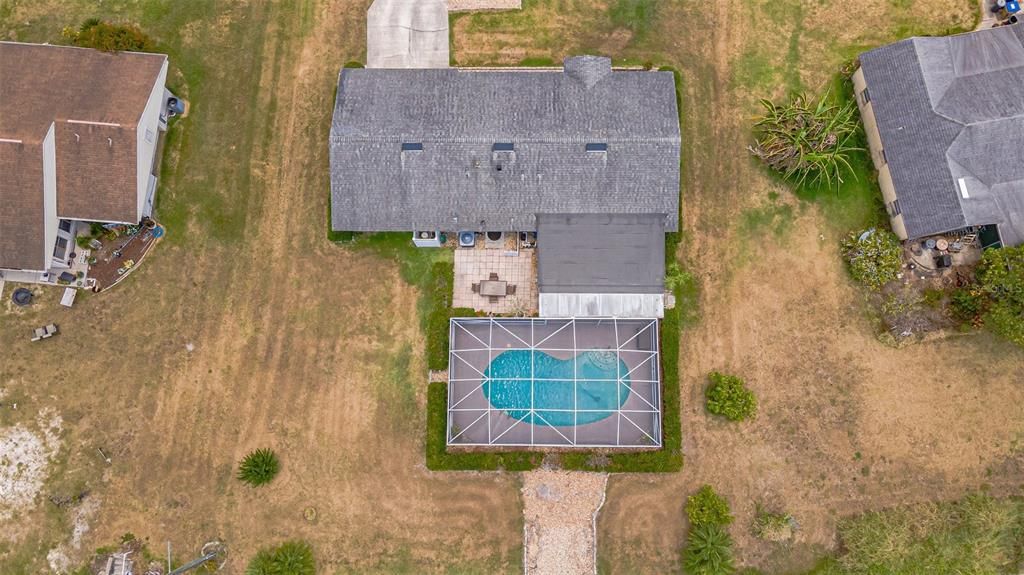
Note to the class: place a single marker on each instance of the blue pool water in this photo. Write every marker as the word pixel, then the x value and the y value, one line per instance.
pixel 506 391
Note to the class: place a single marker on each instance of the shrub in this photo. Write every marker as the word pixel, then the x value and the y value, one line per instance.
pixel 729 397
pixel 1001 277
pixel 775 527
pixel 109 37
pixel 705 507
pixel 967 304
pixel 708 551
pixel 808 143
pixel 874 261
pixel 288 558
pixel 978 534
pixel 258 467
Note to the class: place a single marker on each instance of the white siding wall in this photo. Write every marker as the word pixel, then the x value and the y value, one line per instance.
pixel 49 194
pixel 149 124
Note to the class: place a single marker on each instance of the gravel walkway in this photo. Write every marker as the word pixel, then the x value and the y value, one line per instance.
pixel 560 510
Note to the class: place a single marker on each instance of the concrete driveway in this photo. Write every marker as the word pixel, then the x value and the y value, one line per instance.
pixel 407 34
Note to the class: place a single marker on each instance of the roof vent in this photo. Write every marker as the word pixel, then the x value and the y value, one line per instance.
pixel 587 70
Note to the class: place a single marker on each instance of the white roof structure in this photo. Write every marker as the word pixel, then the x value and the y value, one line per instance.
pixel 535 382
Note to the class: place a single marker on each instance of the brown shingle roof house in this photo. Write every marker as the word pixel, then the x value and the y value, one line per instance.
pixel 78 140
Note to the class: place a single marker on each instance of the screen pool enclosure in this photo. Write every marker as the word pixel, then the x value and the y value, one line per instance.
pixel 536 382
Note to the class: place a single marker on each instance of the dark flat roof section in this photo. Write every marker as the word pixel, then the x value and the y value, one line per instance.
pixel 601 253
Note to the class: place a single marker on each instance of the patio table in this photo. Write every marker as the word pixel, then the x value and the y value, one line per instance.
pixel 493 288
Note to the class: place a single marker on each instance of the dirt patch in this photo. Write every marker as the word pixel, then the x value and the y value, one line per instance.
pixel 25 455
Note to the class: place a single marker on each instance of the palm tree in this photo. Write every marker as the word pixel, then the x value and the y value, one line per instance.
pixel 807 143
pixel 259 467
pixel 708 551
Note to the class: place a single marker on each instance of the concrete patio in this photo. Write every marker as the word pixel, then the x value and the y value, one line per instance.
pixel 474 265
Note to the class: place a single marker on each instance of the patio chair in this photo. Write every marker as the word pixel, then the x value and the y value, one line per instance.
pixel 44 332
pixel 476 288
pixel 493 277
pixel 510 289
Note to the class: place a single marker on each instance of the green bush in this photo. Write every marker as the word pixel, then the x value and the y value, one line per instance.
pixel 874 261
pixel 288 558
pixel 258 467
pixel 1001 277
pixel 109 37
pixel 967 304
pixel 708 551
pixel 537 62
pixel 353 64
pixel 729 397
pixel 705 507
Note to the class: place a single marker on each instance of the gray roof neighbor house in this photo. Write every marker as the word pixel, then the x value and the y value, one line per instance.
pixel 489 149
pixel 951 122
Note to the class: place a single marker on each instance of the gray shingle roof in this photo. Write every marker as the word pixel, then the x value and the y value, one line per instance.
pixel 458 115
pixel 601 253
pixel 950 109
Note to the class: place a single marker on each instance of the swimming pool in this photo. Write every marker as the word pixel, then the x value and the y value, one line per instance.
pixel 511 386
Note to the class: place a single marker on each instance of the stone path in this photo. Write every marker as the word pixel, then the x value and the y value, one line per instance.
pixel 560 510
pixel 466 5
pixel 988 18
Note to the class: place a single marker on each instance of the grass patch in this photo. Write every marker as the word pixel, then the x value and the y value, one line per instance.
pixel 978 534
pixel 438 301
pixel 773 218
pixel 538 62
pixel 753 69
pixel 635 15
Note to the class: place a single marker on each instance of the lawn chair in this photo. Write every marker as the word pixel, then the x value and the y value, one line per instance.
pixel 493 277
pixel 510 289
pixel 44 332
pixel 476 288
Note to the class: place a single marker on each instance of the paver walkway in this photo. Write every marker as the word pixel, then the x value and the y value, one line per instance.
pixel 988 18
pixel 560 532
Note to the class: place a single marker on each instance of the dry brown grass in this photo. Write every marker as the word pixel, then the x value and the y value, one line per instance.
pixel 298 345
